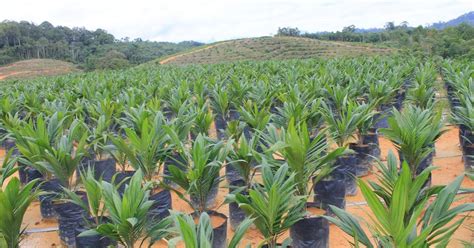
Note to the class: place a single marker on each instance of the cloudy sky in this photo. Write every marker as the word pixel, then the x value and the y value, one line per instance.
pixel 213 20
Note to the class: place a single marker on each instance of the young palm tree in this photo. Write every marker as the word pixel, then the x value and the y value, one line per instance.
pixel 414 132
pixel 220 105
pixel 99 137
pixel 8 168
pixel 46 149
pixel 342 126
pixel 422 96
pixel 274 206
pixel 200 235
pixel 310 162
pixel 256 117
pixel 307 158
pixel 201 177
pixel 241 161
pixel 463 115
pixel 134 117
pixel 94 192
pixel 128 214
pixel 202 122
pixel 146 147
pixel 14 201
pixel 404 217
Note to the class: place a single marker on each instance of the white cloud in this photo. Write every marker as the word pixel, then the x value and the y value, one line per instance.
pixel 208 20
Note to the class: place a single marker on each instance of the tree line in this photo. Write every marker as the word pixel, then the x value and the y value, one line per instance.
pixel 450 42
pixel 90 49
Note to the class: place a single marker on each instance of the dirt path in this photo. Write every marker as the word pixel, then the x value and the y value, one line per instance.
pixel 5 76
pixel 167 60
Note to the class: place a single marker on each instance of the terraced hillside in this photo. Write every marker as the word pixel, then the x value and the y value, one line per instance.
pixel 36 68
pixel 271 48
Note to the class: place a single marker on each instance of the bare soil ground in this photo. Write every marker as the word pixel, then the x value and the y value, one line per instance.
pixel 448 161
pixel 36 68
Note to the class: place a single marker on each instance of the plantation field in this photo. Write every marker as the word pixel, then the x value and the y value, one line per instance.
pixel 377 150
pixel 271 48
pixel 36 68
pixel 42 233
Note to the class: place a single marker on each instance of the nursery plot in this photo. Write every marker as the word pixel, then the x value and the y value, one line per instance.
pixel 161 155
pixel 449 167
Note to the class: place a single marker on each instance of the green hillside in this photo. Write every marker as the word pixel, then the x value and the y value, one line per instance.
pixel 271 48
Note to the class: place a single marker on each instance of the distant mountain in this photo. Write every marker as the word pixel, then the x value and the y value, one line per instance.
pixel 466 18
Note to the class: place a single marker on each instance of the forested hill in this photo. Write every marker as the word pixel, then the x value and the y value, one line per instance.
pixel 89 49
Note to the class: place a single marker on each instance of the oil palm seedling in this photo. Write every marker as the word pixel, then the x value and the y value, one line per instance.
pixel 314 119
pixel 337 96
pixel 99 137
pixel 220 106
pixel 39 140
pixel 383 93
pixel 367 145
pixel 7 137
pixel 99 159
pixel 463 116
pixel 128 223
pixel 183 123
pixel 32 106
pixel 241 168
pixel 402 218
pixel 290 110
pixel 14 201
pixel 300 106
pixel 425 74
pixel 274 206
pixel 200 90
pixel 309 161
pixel 95 211
pixel 234 129
pixel 30 139
pixel 342 128
pixel 203 233
pixel 238 91
pixel 254 116
pixel 105 107
pixel 60 159
pixel 146 150
pixel 177 100
pixel 125 172
pixel 8 108
pixel 8 167
pixel 264 93
pixel 422 96
pixel 200 179
pixel 202 122
pixel 134 117
pixel 388 176
pixel 146 147
pixel 242 159
pixel 414 132
pixel 178 130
